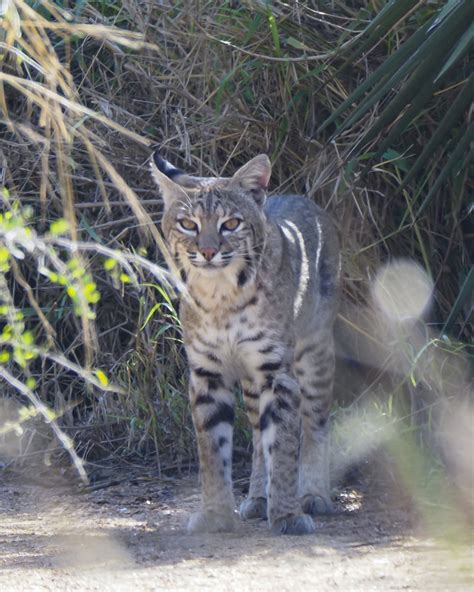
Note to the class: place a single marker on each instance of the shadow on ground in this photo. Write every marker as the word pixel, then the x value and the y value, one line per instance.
pixel 132 534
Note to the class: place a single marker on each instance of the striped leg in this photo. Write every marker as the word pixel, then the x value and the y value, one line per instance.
pixel 213 415
pixel 314 367
pixel 279 426
pixel 255 506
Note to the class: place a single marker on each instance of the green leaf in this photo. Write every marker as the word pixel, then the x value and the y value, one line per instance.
pixel 73 264
pixel 27 338
pixel 7 332
pixel 223 87
pixel 109 264
pixel 275 35
pixel 59 227
pixel 4 254
pixel 90 231
pixel 104 381
pixel 155 307
pixel 253 27
pixel 296 44
pixel 4 259
pixel 93 298
pixel 31 383
pixel 396 158
pixel 90 288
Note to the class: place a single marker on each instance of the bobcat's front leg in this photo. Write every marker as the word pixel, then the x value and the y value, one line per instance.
pixel 255 505
pixel 212 407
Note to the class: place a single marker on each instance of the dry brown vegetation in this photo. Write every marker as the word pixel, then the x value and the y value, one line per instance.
pixel 84 94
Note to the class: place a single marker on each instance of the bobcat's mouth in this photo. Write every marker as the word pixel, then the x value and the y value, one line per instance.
pixel 219 261
pixel 210 264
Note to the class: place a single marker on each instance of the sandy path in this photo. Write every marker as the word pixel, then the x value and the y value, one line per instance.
pixel 131 537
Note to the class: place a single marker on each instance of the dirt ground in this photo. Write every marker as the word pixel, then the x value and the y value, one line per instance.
pixel 129 534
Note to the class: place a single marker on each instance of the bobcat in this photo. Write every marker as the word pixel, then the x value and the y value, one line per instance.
pixel 262 278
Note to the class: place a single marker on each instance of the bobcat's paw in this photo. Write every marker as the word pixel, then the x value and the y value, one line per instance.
pixel 294 524
pixel 316 504
pixel 211 521
pixel 253 507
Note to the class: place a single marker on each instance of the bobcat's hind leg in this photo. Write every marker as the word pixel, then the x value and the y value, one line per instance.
pixel 314 366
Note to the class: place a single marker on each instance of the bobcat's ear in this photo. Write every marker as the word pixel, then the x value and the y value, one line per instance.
pixel 254 177
pixel 169 190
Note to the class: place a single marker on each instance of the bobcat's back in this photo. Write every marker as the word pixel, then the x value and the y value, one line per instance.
pixel 313 256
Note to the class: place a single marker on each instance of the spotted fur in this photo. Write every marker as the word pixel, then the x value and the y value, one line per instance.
pixel 262 279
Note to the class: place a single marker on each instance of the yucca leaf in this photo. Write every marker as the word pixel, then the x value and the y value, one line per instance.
pixel 455 17
pixel 413 110
pixel 388 16
pixel 455 159
pixel 421 92
pixel 464 296
pixel 463 100
pixel 420 87
pixel 461 48
pixel 391 13
pixel 447 9
pixel 390 70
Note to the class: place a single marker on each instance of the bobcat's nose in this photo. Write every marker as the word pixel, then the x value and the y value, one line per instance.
pixel 208 253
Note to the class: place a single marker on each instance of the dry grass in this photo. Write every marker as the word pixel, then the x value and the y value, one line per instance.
pixel 214 83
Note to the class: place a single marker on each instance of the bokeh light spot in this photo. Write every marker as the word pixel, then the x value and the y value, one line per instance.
pixel 402 290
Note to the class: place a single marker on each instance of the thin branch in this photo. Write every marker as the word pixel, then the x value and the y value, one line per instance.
pixel 45 412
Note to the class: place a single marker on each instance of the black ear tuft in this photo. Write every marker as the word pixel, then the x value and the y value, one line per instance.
pixel 163 165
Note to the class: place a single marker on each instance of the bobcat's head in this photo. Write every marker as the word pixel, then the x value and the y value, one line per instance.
pixel 214 223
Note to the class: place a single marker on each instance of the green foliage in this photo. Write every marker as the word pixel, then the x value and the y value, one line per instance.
pixel 419 68
pixel 19 346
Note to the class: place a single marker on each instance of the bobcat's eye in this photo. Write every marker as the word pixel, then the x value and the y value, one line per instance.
pixel 187 225
pixel 231 224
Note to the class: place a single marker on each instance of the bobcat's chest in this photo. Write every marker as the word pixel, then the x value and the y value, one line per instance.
pixel 230 326
pixel 235 336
